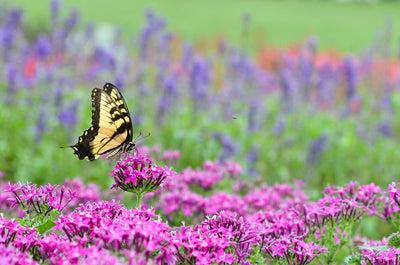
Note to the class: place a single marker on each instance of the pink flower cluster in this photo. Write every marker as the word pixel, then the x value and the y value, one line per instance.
pixel 139 174
pixel 392 203
pixel 15 235
pixel 210 241
pixel 108 225
pixel 42 199
pixel 11 255
pixel 198 222
pixel 82 193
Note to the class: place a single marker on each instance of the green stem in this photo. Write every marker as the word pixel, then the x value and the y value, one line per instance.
pixel 138 199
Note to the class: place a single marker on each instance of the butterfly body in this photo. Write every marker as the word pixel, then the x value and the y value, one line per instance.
pixel 111 130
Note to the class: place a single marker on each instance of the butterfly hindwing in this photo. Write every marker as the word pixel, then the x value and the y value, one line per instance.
pixel 111 126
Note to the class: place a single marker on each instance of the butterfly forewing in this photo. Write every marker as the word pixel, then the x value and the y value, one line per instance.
pixel 111 125
pixel 119 111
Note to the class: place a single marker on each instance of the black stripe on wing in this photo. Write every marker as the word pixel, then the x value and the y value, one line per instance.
pixel 82 149
pixel 120 107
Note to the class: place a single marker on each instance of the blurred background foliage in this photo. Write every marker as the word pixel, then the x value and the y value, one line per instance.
pixel 290 89
pixel 346 26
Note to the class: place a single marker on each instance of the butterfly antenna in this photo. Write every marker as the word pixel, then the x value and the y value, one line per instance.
pixel 137 137
pixel 140 137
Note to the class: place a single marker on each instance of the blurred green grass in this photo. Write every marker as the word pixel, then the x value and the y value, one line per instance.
pixel 283 157
pixel 348 27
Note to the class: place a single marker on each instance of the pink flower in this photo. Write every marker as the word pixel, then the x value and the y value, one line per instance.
pixel 138 174
pixel 233 168
pixel 83 193
pixel 20 237
pixel 40 199
pixel 220 201
pixel 171 155
pixel 11 255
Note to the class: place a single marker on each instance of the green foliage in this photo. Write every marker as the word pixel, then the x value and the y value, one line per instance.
pixel 353 259
pixel 42 222
pixel 277 22
pixel 335 236
pixel 395 221
pixel 282 157
pixel 257 257
pixel 394 240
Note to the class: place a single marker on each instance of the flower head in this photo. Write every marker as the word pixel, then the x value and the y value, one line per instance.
pixel 13 234
pixel 171 155
pixel 138 174
pixel 11 255
pixel 39 199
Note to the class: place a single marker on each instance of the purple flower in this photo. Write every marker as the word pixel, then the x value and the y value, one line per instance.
pixel 71 21
pixel 221 201
pixel 15 18
pixel 189 203
pixel 312 44
pixel 168 98
pixel 171 155
pixel 54 10
pixel 187 55
pixel 199 80
pixel 239 230
pixel 39 199
pixel 83 193
pixel 43 46
pixel 252 158
pixel 110 226
pixel 12 78
pixel 40 127
pixel 253 124
pixel 392 203
pixel 58 95
pixel 233 168
pixel 138 174
pixel 377 252
pixel 306 71
pixel 165 45
pixel 84 220
pixel 11 255
pixel 279 126
pixel 58 249
pixel 288 85
pixel 228 146
pixel 154 25
pixel 8 32
pixel 201 244
pixel 316 148
pixel 206 178
pixel 15 235
pixel 385 128
pixel 294 251
pixel 68 115
pixel 326 81
pixel 242 67
pixel 351 77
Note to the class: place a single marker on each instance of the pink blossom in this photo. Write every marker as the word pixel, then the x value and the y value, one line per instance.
pixel 138 174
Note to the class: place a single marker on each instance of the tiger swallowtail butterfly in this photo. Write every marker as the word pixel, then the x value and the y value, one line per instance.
pixel 111 130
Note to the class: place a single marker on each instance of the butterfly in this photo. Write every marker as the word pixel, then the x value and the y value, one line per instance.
pixel 111 130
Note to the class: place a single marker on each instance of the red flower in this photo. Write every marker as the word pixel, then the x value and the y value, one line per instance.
pixel 30 68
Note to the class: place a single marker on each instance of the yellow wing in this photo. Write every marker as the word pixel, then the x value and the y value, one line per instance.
pixel 111 126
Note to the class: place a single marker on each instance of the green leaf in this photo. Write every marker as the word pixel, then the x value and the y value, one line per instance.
pixel 43 228
pixel 42 223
